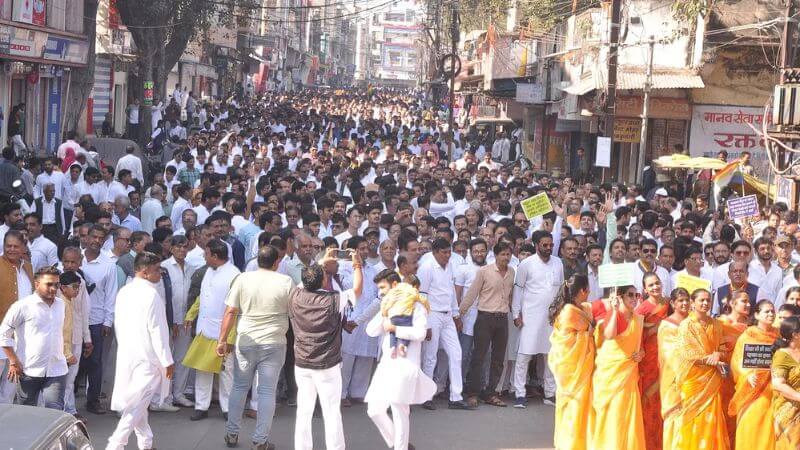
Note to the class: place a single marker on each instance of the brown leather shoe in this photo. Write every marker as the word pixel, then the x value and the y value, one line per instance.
pixel 472 401
pixel 250 413
pixel 494 400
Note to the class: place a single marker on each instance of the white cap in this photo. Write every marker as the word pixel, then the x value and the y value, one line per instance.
pixel 662 192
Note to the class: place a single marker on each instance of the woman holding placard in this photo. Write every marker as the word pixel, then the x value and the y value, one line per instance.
pixel 786 385
pixel 616 400
pixel 699 373
pixel 752 401
pixel 670 395
pixel 653 309
pixel 571 360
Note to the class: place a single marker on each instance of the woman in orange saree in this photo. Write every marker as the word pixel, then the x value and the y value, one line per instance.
pixel 752 402
pixel 616 400
pixel 698 374
pixel 653 309
pixel 735 318
pixel 667 339
pixel 786 385
pixel 571 360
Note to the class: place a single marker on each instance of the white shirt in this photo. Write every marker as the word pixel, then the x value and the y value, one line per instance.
pixel 117 189
pixel 769 282
pixel 48 212
pixel 47 251
pixel 102 272
pixel 180 279
pixel 37 329
pixel 437 283
pixel 595 291
pixel 663 275
pixel 213 290
pixel 180 205
pixel 152 209
pixel 55 178
pixel 132 163
pixel 465 275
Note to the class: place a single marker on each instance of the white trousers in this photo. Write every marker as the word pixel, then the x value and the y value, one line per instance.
pixel 69 382
pixel 396 429
pixel 8 390
pixel 133 417
pixel 521 374
pixel 356 372
pixel 204 385
pixel 327 383
pixel 444 334
pixel 180 345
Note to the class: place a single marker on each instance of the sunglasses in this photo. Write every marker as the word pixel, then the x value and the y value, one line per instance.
pixel 648 251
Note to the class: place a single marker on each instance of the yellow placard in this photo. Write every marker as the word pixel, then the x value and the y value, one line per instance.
pixel 538 205
pixel 627 130
pixel 691 283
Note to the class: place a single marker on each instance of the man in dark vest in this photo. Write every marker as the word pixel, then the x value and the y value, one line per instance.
pixel 316 312
pixel 51 212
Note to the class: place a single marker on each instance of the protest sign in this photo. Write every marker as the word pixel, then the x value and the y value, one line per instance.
pixel 612 275
pixel 538 205
pixel 757 356
pixel 742 207
pixel 692 284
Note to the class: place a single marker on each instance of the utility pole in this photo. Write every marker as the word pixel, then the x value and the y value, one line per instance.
pixel 613 49
pixel 648 85
pixel 454 37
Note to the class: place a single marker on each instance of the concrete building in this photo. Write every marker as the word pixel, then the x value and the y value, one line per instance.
pixel 394 52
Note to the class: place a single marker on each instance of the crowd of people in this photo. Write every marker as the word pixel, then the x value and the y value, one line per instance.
pixel 320 250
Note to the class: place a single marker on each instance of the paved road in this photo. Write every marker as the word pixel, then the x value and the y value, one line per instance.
pixel 484 429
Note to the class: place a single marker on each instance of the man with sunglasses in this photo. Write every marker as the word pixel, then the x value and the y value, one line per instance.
pixel 647 263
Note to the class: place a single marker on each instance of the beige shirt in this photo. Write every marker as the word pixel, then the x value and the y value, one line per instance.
pixel 262 298
pixel 492 290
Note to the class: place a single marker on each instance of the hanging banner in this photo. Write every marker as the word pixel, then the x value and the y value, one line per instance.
pixel 39 16
pixel 54 114
pixel 22 11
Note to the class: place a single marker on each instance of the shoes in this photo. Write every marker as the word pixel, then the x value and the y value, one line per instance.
pixel 291 401
pixel 520 403
pixel 429 405
pixel 198 414
pixel 551 401
pixel 264 446
pixel 164 407
pixel 346 403
pixel 252 414
pixel 225 415
pixel 183 401
pixel 231 440
pixel 472 401
pixel 459 405
pixel 411 447
pixel 80 418
pixel 96 408
pixel 494 400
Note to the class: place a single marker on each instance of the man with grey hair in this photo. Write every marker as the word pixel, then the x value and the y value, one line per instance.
pixel 123 216
pixel 152 208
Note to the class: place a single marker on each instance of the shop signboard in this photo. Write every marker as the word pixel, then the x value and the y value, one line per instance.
pixel 65 50
pixel 627 130
pixel 530 93
pixel 720 127
pixel 39 15
pixel 22 11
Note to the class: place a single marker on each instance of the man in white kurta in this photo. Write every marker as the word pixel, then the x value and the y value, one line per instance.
pixel 538 280
pixel 144 361
pixel 398 382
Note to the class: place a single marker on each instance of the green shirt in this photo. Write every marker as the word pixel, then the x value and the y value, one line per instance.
pixel 262 298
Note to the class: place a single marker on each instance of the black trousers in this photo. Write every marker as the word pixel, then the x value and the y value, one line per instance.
pixel 491 329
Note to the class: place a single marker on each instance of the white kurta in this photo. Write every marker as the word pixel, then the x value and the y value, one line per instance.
pixel 536 286
pixel 143 352
pixel 213 290
pixel 400 380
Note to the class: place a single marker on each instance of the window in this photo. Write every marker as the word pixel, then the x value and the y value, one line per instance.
pixel 394 17
pixel 395 59
pixel 410 15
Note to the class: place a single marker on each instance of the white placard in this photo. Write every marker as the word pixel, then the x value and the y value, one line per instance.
pixel 718 127
pixel 603 153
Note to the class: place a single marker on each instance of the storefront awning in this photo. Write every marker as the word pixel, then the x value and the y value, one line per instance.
pixel 635 79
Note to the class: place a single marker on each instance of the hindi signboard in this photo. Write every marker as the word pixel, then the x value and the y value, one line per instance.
pixel 757 356
pixel 692 283
pixel 719 127
pixel 538 205
pixel 613 275
pixel 627 130
pixel 148 93
pixel 742 207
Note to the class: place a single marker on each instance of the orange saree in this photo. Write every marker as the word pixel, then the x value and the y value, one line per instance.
pixel 752 405
pixel 571 359
pixel 730 334
pixel 616 400
pixel 648 373
pixel 670 395
pixel 702 417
